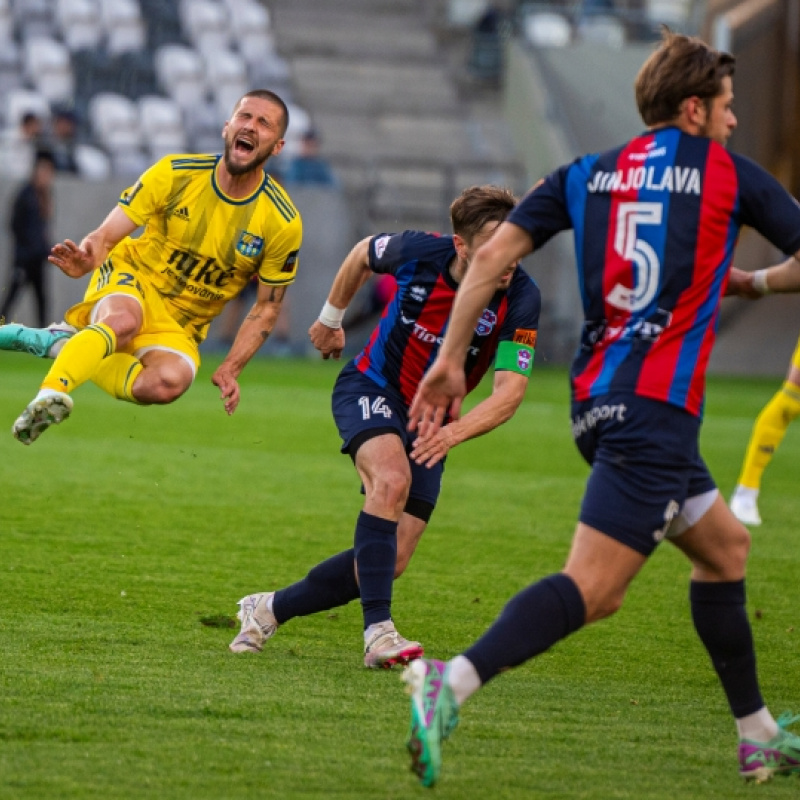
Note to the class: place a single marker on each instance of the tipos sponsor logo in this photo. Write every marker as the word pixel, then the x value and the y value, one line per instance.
pixel 588 421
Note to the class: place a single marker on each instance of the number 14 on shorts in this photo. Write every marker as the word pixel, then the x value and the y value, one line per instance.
pixel 373 408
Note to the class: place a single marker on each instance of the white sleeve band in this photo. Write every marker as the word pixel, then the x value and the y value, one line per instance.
pixel 330 316
pixel 760 281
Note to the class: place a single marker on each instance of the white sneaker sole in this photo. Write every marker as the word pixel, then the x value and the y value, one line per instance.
pixel 39 416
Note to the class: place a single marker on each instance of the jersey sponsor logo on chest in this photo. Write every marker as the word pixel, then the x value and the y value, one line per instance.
pixel 249 245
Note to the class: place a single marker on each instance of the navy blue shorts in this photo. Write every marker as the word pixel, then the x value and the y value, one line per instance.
pixel 645 464
pixel 362 409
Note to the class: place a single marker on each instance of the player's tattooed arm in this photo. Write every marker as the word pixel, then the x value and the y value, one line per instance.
pixel 253 332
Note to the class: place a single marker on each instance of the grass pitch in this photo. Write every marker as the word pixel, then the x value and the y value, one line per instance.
pixel 125 528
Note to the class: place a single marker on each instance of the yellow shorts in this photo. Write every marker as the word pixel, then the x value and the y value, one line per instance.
pixel 159 331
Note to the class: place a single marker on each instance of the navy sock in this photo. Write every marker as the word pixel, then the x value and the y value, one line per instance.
pixel 376 555
pixel 720 619
pixel 532 622
pixel 328 585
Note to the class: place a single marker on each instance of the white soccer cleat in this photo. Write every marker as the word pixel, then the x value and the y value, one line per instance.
pixel 386 648
pixel 744 505
pixel 49 407
pixel 258 623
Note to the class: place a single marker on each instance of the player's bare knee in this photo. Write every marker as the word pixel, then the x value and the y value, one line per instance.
pixel 390 488
pixel 731 557
pixel 160 386
pixel 167 390
pixel 602 602
pixel 124 324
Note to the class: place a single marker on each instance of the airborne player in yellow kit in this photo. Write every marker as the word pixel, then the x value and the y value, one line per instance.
pixel 210 223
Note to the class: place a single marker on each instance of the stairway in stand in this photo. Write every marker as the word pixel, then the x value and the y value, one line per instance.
pixel 402 129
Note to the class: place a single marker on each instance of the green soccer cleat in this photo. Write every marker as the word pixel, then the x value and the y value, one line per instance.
pixel 35 341
pixel 759 761
pixel 47 408
pixel 434 716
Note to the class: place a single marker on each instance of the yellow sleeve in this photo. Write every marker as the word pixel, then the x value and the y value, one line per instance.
pixel 147 196
pixel 280 261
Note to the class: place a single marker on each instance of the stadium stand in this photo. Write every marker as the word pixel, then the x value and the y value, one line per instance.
pixel 168 72
pixel 398 127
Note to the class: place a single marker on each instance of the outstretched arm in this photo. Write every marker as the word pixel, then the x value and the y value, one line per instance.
pixel 779 279
pixel 508 392
pixel 77 260
pixel 253 332
pixel 443 387
pixel 327 334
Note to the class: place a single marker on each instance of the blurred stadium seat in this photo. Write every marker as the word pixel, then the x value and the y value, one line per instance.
pixel 48 67
pixel 144 77
pixel 181 74
pixel 19 101
pixel 602 29
pixel 205 23
pixel 10 67
pixel 226 76
pixel 79 23
pixel 546 29
pixel 161 122
pixel 115 121
pixel 33 18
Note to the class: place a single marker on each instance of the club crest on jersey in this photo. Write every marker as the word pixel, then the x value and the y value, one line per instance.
pixel 419 293
pixel 249 245
pixel 486 323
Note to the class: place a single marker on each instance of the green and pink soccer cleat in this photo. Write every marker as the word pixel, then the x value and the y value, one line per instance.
pixel 434 716
pixel 759 761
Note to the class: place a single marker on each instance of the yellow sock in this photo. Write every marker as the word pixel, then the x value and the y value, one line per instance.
pixel 768 432
pixel 80 357
pixel 117 374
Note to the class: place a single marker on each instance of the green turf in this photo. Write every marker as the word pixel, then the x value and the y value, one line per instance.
pixel 125 527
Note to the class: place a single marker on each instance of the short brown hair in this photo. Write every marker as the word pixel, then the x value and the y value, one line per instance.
pixel 266 94
pixel 681 67
pixel 476 206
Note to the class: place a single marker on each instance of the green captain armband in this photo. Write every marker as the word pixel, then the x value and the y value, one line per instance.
pixel 516 357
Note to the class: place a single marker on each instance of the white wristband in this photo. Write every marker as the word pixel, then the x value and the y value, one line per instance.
pixel 760 281
pixel 330 316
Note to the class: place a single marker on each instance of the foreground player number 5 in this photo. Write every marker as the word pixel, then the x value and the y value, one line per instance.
pixel 374 408
pixel 629 217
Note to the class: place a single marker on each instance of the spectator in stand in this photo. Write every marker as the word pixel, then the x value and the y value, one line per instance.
pixel 19 146
pixel 31 216
pixel 308 166
pixel 63 140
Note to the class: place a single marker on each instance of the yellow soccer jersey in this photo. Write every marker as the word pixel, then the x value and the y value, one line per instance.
pixel 199 247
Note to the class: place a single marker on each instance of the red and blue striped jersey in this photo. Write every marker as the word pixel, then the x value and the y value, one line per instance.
pixel 655 224
pixel 403 346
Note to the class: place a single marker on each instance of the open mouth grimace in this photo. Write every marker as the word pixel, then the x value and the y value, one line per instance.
pixel 242 145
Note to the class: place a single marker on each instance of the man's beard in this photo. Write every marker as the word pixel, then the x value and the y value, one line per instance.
pixel 242 168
